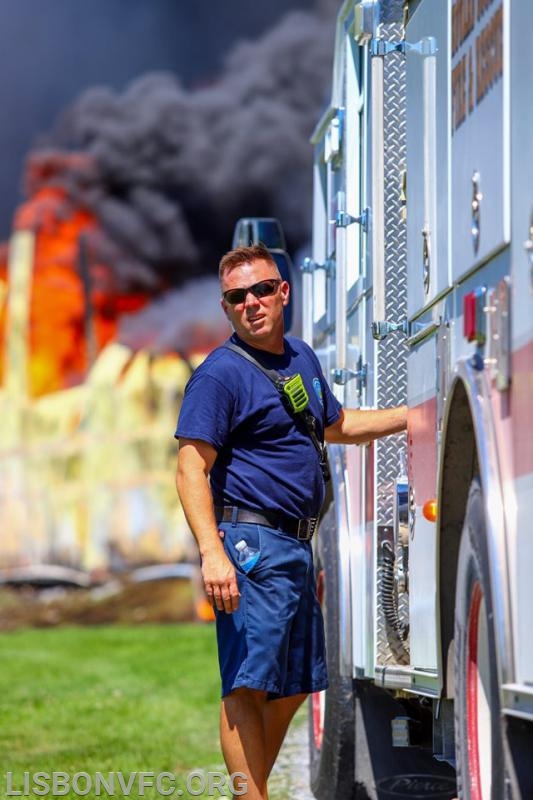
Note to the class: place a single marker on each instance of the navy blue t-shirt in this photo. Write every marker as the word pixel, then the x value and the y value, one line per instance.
pixel 265 457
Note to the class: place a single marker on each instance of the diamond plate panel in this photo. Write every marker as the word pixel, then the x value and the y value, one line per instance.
pixel 391 368
pixel 391 10
pixel 392 352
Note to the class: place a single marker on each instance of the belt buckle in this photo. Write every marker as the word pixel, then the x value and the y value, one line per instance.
pixel 306 529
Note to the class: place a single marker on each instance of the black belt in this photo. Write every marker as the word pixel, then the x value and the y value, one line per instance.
pixel 302 529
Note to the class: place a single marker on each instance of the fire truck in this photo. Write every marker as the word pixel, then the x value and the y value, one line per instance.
pixel 419 290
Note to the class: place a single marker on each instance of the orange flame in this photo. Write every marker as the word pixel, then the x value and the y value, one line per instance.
pixel 64 336
pixel 59 347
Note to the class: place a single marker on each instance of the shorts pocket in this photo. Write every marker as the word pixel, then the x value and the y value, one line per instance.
pixel 243 545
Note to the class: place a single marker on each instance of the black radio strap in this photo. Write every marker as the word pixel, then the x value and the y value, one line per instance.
pixel 307 418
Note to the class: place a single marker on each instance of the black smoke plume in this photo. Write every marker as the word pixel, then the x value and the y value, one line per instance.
pixel 171 169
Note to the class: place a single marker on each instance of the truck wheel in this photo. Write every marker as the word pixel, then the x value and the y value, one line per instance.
pixel 478 725
pixel 331 713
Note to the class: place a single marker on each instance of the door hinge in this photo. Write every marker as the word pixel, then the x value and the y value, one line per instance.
pixel 343 219
pixel 425 47
pixel 308 265
pixel 342 376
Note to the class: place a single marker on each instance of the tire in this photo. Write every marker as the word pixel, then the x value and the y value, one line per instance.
pixel 478 725
pixel 331 713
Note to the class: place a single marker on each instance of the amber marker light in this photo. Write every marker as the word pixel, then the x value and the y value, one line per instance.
pixel 429 510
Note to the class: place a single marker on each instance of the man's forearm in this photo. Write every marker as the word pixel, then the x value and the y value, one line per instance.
pixel 358 426
pixel 197 502
pixel 192 482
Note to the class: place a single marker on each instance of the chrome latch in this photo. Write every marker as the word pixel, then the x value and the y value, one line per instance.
pixel 382 329
pixel 426 258
pixel 476 205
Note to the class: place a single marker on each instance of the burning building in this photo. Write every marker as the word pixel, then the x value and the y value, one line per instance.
pixel 73 301
pixel 87 452
pixel 108 293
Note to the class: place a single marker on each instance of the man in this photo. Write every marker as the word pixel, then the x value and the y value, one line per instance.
pixel 248 472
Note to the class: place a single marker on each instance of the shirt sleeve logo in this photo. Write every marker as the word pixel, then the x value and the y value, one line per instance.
pixel 317 386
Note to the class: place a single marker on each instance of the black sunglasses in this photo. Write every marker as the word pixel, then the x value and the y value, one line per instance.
pixel 261 289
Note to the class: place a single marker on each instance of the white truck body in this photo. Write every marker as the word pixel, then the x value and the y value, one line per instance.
pixel 419 290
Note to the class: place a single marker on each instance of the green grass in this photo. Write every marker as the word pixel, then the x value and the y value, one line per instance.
pixel 109 699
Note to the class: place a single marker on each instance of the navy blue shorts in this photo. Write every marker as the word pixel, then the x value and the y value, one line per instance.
pixel 275 640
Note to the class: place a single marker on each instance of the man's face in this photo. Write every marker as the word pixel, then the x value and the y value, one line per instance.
pixel 258 321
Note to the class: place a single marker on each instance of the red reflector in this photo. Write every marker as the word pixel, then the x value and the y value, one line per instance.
pixel 469 316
